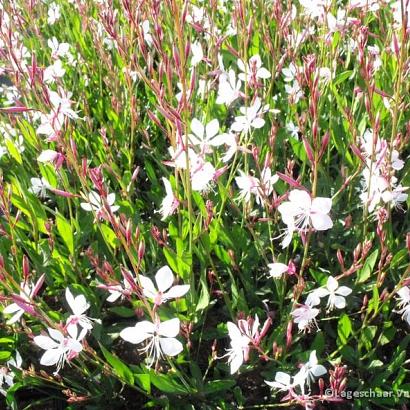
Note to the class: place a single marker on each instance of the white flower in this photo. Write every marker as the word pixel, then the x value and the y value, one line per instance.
pixel 146 32
pixel 3 151
pixel 277 269
pixel 53 13
pixel 59 348
pixel 293 130
pixel 160 337
pixel 78 306
pixel 39 187
pixel 250 117
pixel 51 125
pixel 197 53
pixel 27 291
pixel 332 290
pixel 96 203
pixel 117 291
pixel 305 317
pixel 248 185
pixel 202 173
pixel 229 140
pixel 260 188
pixel 315 8
pixel 58 49
pixel 404 303
pixel 282 382
pixel 205 136
pixel 170 203
pixel 62 103
pixel 312 369
pixel 164 290
pixel 294 92
pixel 47 155
pixel 253 70
pixel 241 336
pixel 290 73
pixel 53 72
pixel 7 375
pixel 228 89
pixel 303 212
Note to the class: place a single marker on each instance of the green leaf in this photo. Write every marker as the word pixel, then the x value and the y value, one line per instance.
pixel 109 236
pixel 344 329
pixel 120 369
pixel 368 266
pixel 13 151
pixel 167 383
pixel 66 232
pixel 144 380
pixel 215 386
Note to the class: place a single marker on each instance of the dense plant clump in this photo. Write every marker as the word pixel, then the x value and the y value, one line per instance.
pixel 203 204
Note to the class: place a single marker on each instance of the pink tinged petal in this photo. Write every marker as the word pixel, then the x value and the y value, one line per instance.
pixel 313 299
pixel 50 357
pixel 197 128
pixel 169 328
pixel 276 270
pixel 114 208
pixel 45 342
pixel 74 345
pixel 164 278
pixel 148 287
pixel 321 222
pixel 344 291
pixel 134 334
pixel 332 284
pixel 170 346
pixel 321 205
pixel 176 291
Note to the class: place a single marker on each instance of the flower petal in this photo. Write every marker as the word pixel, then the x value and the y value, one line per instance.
pixel 176 291
pixel 212 128
pixel 164 278
pixel 339 302
pixel 197 128
pixel 51 357
pixel 276 270
pixel 170 346
pixel 45 342
pixel 321 205
pixel 134 334
pixel 332 284
pixel 169 328
pixel 148 287
pixel 321 222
